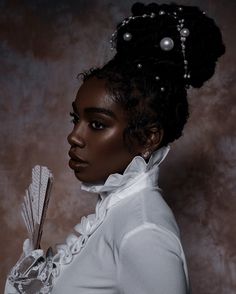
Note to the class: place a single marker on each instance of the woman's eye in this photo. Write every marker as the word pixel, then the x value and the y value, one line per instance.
pixel 97 125
pixel 75 117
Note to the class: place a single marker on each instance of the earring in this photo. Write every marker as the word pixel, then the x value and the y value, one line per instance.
pixel 146 154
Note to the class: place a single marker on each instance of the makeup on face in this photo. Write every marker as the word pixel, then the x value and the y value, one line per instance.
pixel 97 142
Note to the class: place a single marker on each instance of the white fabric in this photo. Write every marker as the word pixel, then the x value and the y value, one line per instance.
pixel 130 245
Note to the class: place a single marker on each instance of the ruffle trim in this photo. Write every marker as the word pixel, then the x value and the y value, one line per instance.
pixel 137 166
pixel 35 272
pixel 86 227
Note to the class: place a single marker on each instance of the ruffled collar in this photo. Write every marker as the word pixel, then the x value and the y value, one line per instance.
pixel 137 170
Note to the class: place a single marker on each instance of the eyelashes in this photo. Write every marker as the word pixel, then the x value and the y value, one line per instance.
pixel 96 125
pixel 75 117
pixel 93 124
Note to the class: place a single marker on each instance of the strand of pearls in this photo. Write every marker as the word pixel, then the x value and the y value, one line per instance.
pixel 166 43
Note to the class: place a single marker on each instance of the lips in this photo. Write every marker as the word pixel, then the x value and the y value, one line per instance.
pixel 76 162
pixel 76 158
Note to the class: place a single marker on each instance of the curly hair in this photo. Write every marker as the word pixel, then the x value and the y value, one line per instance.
pixel 159 103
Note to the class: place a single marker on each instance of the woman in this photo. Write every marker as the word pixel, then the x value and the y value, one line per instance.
pixel 125 116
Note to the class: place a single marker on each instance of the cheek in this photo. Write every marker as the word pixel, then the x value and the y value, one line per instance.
pixel 111 151
pixel 108 142
pixel 112 146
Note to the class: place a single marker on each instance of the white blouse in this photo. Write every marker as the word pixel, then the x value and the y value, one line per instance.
pixel 131 245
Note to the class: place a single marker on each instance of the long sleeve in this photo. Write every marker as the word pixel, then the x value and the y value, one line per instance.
pixel 32 272
pixel 152 262
pixel 9 289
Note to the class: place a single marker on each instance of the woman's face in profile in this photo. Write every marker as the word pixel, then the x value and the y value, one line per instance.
pixel 97 143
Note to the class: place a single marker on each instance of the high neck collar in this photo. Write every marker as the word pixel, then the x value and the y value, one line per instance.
pixel 137 171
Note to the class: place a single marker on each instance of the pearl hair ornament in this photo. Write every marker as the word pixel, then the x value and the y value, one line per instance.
pixel 161 12
pixel 127 36
pixel 167 43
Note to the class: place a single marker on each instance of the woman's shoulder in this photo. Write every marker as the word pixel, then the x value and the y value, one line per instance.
pixel 139 211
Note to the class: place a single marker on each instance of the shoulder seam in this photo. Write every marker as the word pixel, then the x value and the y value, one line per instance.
pixel 151 226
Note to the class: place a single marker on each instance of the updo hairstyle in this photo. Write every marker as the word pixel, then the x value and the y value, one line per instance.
pixel 150 82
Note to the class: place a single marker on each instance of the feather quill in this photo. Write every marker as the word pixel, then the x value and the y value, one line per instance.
pixel 35 204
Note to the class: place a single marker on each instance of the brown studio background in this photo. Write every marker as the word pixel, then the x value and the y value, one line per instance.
pixel 43 46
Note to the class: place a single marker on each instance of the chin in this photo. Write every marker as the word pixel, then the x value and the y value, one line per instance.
pixel 80 177
pixel 88 179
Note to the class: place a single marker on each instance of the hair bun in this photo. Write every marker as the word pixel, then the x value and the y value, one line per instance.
pixel 139 38
pixel 203 47
pixel 138 8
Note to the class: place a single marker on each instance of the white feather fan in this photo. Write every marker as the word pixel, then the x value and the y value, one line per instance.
pixel 36 202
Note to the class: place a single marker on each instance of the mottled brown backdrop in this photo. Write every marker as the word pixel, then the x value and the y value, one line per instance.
pixel 43 46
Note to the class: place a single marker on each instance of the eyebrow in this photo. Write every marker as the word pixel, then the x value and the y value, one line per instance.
pixel 100 110
pixel 96 110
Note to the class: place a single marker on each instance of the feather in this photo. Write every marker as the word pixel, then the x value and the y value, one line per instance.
pixel 35 204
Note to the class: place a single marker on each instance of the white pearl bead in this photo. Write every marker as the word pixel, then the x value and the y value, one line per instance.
pixel 185 32
pixel 167 44
pixel 127 36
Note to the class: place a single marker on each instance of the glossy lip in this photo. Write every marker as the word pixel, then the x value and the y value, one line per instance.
pixel 76 158
pixel 77 166
pixel 76 163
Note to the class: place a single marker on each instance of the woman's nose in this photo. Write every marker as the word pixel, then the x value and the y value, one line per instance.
pixel 75 138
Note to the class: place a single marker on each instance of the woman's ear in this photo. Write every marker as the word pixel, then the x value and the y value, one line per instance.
pixel 153 142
